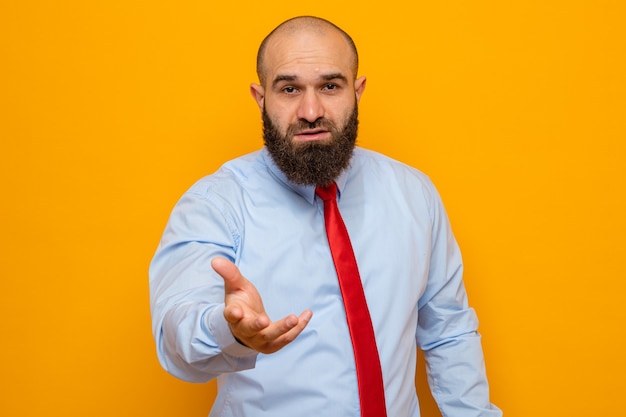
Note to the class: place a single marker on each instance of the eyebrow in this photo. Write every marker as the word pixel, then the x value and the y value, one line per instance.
pixel 280 78
pixel 325 77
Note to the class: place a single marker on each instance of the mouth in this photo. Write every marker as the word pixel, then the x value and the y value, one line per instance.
pixel 311 135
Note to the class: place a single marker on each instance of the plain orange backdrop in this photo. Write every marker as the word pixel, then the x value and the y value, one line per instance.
pixel 110 110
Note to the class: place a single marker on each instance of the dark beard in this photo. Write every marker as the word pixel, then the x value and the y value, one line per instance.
pixel 311 163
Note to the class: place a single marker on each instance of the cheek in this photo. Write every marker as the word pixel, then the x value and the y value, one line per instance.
pixel 340 115
pixel 338 108
pixel 281 116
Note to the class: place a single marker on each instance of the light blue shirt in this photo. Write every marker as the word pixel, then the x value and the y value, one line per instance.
pixel 273 230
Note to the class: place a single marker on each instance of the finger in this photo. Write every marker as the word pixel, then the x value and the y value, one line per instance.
pixel 233 313
pixel 227 269
pixel 233 279
pixel 285 338
pixel 248 324
pixel 285 330
pixel 245 325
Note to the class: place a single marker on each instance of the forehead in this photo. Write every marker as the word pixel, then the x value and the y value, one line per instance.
pixel 306 51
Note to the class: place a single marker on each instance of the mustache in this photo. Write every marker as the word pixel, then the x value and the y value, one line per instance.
pixel 301 125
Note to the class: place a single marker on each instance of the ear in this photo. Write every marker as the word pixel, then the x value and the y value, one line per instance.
pixel 359 87
pixel 258 93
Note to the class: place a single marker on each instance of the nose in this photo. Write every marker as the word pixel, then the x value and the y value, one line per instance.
pixel 310 107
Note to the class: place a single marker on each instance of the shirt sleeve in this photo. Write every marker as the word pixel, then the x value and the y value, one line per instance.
pixel 447 330
pixel 193 339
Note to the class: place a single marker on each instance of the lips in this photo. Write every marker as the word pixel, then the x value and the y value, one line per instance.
pixel 313 134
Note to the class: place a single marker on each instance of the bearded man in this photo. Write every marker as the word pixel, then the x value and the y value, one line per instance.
pixel 250 245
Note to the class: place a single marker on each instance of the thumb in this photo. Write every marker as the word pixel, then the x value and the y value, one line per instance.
pixel 229 272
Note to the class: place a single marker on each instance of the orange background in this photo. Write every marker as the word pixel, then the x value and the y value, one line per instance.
pixel 110 110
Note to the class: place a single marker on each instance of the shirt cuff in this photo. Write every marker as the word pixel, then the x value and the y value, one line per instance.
pixel 219 329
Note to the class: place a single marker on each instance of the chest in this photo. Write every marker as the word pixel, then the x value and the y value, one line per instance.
pixel 284 251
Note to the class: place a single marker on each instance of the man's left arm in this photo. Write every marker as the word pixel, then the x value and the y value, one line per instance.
pixel 447 329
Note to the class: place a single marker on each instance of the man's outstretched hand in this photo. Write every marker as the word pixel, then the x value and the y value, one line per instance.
pixel 246 315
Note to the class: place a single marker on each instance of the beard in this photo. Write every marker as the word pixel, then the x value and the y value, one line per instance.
pixel 312 163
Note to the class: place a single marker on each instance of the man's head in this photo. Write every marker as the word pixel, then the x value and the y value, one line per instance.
pixel 302 23
pixel 308 96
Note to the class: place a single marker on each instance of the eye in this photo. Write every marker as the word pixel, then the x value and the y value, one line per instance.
pixel 330 87
pixel 290 90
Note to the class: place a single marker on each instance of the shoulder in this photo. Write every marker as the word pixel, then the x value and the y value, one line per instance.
pixel 375 174
pixel 232 177
pixel 374 165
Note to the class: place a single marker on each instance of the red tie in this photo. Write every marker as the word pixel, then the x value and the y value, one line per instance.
pixel 369 374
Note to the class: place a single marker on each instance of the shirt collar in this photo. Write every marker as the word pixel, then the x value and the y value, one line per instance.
pixel 305 191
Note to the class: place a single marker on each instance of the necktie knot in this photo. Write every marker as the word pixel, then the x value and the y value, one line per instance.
pixel 328 192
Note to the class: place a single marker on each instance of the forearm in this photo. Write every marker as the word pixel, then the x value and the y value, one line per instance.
pixel 457 378
pixel 193 340
pixel 195 344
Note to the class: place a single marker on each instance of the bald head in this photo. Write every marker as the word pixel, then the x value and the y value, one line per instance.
pixel 298 25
